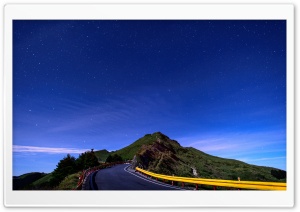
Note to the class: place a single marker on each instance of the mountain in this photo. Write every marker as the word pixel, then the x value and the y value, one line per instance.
pixel 102 154
pixel 43 183
pixel 158 153
pixel 130 151
pixel 24 181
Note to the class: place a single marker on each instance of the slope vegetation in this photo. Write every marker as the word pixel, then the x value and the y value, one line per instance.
pixel 160 154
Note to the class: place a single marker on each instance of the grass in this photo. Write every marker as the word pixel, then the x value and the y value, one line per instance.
pixel 128 152
pixel 166 156
pixel 69 183
pixel 209 166
pixel 102 155
pixel 24 181
pixel 43 183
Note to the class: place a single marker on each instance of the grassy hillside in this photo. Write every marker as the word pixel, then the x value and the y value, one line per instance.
pixel 127 153
pixel 42 183
pixel 69 183
pixel 102 155
pixel 23 181
pixel 160 154
pixel 209 166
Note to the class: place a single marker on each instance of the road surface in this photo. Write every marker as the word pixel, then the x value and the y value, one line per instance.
pixel 122 177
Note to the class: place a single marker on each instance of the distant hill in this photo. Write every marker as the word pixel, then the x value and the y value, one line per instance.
pixel 43 183
pixel 102 154
pixel 23 181
pixel 158 153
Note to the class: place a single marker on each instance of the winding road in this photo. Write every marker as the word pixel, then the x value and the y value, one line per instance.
pixel 122 177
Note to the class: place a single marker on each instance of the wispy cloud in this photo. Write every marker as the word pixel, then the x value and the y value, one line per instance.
pixel 113 115
pixel 205 141
pixel 262 159
pixel 213 144
pixel 49 150
pixel 236 142
pixel 275 161
pixel 251 147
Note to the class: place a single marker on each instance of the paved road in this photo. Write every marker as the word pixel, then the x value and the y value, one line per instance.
pixel 121 177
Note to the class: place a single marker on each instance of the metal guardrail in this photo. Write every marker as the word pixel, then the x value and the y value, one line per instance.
pixel 253 185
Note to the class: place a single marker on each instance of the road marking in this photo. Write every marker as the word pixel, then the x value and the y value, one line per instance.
pixel 125 169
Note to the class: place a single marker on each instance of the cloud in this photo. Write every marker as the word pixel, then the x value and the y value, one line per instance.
pixel 50 150
pixel 218 147
pixel 205 141
pixel 235 142
pixel 109 115
pixel 260 148
pixel 262 159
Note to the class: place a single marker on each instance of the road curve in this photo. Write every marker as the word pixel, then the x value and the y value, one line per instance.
pixel 122 177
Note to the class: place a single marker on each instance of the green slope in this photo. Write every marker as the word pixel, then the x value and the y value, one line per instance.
pixel 24 181
pixel 43 183
pixel 70 182
pixel 160 154
pixel 209 166
pixel 102 155
pixel 127 153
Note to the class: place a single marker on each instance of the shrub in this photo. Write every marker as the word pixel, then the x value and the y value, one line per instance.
pixel 65 167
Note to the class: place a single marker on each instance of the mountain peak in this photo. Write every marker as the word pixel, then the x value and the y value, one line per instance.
pixel 158 153
pixel 160 135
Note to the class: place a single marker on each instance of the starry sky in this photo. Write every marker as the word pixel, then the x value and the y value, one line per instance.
pixel 218 86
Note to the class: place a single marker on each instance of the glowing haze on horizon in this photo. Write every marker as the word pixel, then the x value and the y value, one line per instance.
pixel 218 86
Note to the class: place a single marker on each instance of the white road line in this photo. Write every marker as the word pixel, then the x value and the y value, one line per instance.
pixel 125 169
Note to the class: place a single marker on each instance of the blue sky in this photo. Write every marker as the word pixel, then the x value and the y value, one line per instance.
pixel 218 86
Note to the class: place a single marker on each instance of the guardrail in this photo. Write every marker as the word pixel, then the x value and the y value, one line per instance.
pixel 87 172
pixel 253 185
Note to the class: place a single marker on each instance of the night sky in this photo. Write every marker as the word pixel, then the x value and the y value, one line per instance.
pixel 218 86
